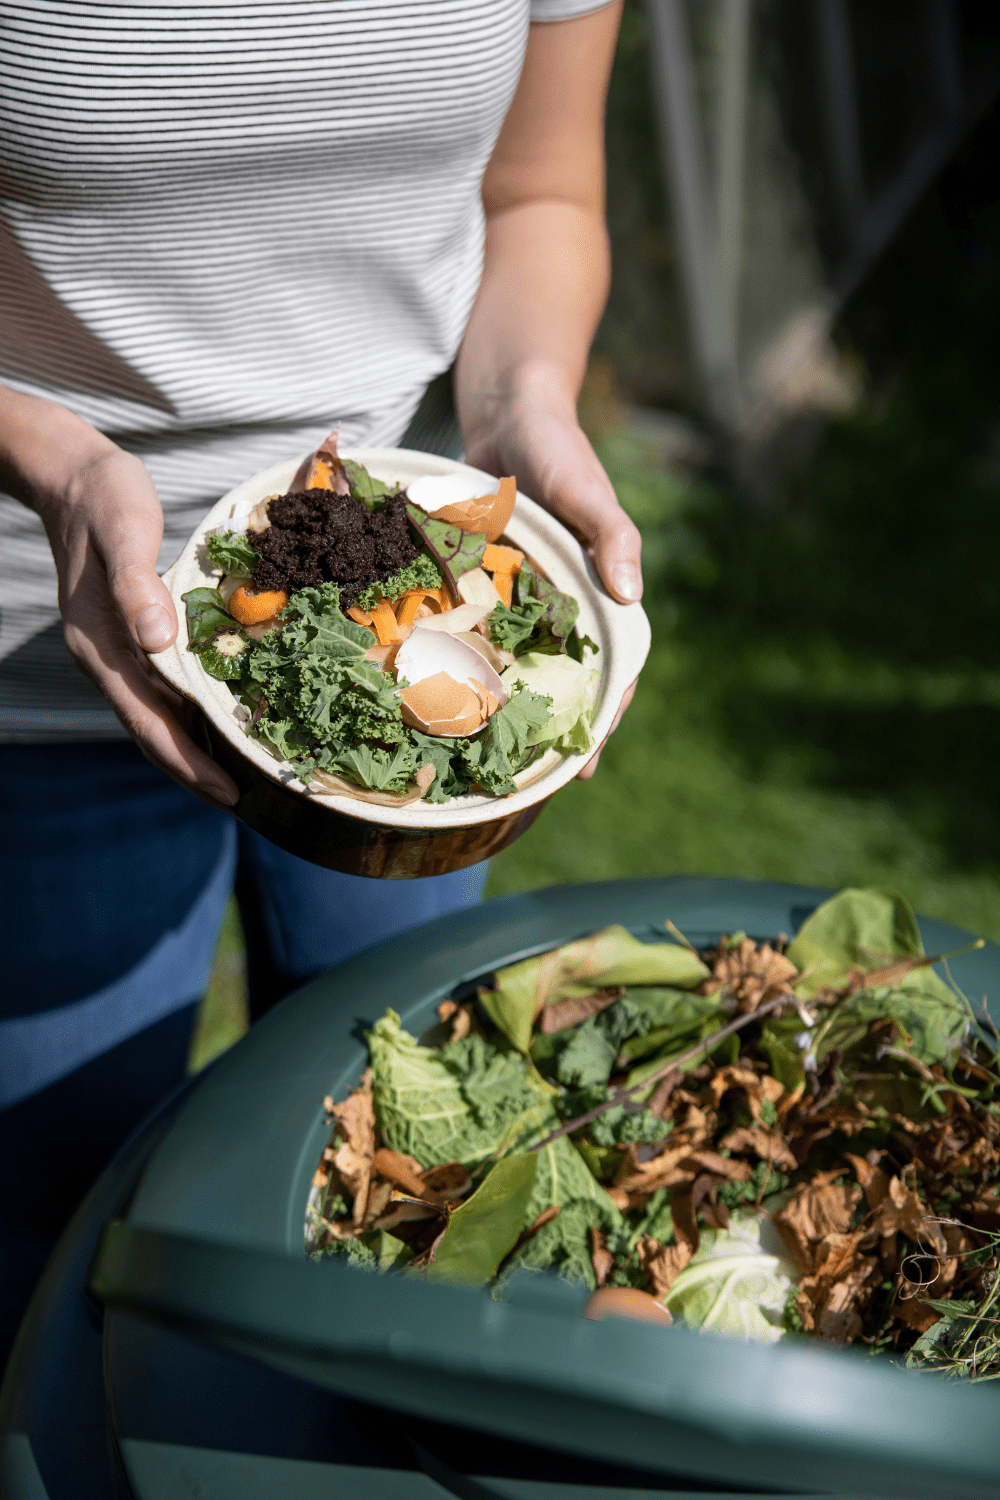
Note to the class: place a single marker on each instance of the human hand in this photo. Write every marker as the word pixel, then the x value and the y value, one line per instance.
pixel 104 523
pixel 533 432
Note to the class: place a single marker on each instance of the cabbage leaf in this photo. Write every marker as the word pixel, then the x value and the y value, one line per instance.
pixel 737 1282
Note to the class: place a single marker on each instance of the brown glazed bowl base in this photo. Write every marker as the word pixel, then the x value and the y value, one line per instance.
pixel 354 846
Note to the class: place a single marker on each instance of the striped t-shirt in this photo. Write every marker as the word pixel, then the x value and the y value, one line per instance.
pixel 224 227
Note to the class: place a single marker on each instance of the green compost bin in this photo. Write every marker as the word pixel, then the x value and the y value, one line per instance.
pixel 211 1248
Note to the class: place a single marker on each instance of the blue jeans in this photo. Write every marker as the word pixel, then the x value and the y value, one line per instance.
pixel 113 883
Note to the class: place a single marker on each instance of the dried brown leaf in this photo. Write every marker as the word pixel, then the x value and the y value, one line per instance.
pixel 355 1125
pixel 662 1264
pixel 600 1256
pixel 576 1009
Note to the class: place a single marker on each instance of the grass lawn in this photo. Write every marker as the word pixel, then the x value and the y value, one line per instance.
pixel 822 700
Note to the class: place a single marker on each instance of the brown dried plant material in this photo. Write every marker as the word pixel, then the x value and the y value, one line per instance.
pixel 752 974
pixel 447 1183
pixel 600 1256
pixel 461 1018
pixel 578 1008
pixel 354 1156
pixel 662 1264
pixel 763 1141
pixel 815 1211
pixel 402 1171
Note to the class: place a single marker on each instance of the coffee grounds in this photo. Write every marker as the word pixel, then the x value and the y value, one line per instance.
pixel 318 537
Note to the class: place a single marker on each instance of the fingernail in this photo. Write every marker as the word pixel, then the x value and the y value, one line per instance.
pixel 219 794
pixel 627 581
pixel 154 627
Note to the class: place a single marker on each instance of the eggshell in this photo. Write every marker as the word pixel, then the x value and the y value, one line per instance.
pixel 447 497
pixel 454 621
pixel 434 491
pixel 498 660
pixel 626 1302
pixel 477 587
pixel 428 652
pixel 440 705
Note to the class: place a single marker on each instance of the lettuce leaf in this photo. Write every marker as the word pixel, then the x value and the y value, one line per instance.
pixel 572 689
pixel 231 551
pixel 860 930
pixel 737 1282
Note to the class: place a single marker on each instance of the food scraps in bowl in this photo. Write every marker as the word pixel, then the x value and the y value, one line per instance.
pixel 764 1139
pixel 391 645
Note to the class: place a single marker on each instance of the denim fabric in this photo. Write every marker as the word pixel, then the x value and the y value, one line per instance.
pixel 113 882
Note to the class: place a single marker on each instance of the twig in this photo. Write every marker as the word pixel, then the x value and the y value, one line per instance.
pixel 676 932
pixel 623 1095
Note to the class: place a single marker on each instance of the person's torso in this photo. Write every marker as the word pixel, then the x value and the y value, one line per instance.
pixel 218 213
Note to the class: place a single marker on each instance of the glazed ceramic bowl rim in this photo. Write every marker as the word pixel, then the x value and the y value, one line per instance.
pixel 621 631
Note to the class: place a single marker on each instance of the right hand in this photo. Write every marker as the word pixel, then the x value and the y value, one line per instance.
pixel 105 525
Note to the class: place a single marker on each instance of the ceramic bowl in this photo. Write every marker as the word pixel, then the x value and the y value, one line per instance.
pixel 339 831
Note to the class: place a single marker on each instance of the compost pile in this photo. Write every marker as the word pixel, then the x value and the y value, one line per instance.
pixel 770 1138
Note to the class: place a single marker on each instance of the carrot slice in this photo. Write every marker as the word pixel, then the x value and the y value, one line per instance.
pixel 384 623
pixel 504 585
pixel 360 616
pixel 407 605
pixel 250 608
pixel 502 559
pixel 319 475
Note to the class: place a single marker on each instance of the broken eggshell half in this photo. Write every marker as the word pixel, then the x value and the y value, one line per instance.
pixel 460 501
pixel 452 687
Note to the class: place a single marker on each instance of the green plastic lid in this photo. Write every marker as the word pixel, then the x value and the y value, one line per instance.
pixel 213 1245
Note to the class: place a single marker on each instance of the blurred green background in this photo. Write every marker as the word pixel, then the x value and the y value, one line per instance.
pixel 822 700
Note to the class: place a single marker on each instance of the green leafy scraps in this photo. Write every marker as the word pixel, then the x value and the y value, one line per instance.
pixel 422 573
pixel 455 551
pixel 365 486
pixel 495 756
pixel 447 1105
pixel 512 628
pixel 612 956
pixel 206 616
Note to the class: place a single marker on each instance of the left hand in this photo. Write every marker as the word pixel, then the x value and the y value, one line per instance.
pixel 533 433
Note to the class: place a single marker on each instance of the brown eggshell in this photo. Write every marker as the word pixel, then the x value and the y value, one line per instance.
pixel 439 705
pixel 488 514
pixel 627 1302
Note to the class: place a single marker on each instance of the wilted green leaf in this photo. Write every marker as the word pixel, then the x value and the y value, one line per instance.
pixel 206 615
pixel 485 1228
pixel 609 957
pixel 231 551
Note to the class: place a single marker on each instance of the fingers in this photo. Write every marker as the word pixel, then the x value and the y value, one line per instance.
pixel 127 538
pixel 592 764
pixel 149 710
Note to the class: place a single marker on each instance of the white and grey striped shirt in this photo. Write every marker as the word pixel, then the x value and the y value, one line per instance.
pixel 223 227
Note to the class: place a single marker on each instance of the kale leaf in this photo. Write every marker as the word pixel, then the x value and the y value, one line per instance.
pixel 511 628
pixel 502 749
pixel 231 552
pixel 422 573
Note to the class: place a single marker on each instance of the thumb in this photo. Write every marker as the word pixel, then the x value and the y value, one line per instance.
pixel 617 550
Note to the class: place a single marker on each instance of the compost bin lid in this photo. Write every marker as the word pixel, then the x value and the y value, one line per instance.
pixel 213 1246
